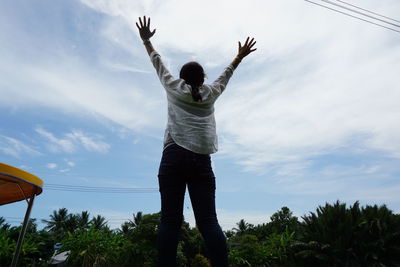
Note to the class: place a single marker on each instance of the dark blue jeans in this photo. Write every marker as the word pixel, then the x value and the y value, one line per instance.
pixel 180 167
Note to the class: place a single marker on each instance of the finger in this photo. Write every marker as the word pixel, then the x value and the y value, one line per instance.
pixel 137 25
pixel 153 32
pixel 252 39
pixel 240 45
pixel 140 21
pixel 247 40
pixel 144 18
pixel 252 50
pixel 148 23
pixel 251 45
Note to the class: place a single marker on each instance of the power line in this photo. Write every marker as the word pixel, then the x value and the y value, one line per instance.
pixel 347 14
pixel 98 189
pixel 386 17
pixel 361 13
pixel 39 172
pixel 93 187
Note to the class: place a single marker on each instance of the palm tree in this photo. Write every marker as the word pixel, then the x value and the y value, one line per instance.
pixel 83 221
pixel 128 226
pixel 137 218
pixel 242 227
pixel 58 222
pixel 339 236
pixel 99 223
pixel 3 225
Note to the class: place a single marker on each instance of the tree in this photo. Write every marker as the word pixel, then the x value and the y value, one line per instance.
pixel 200 261
pixel 243 227
pixel 141 242
pixel 131 224
pixel 93 247
pixel 192 242
pixel 137 218
pixel 247 250
pixel 339 236
pixel 58 223
pixel 333 235
pixel 83 220
pixel 7 247
pixel 36 247
pixel 3 225
pixel 283 220
pixel 99 223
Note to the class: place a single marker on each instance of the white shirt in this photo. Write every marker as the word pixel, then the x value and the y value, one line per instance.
pixel 191 124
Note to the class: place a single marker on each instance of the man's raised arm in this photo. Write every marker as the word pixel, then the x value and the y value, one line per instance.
pixel 145 33
pixel 243 51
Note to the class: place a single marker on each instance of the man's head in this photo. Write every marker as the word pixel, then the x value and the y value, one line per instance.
pixel 193 73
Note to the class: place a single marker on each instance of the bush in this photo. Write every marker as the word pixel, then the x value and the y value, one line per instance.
pixel 200 261
pixel 340 236
pixel 92 248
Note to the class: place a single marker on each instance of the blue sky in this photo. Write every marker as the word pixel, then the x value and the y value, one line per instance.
pixel 311 117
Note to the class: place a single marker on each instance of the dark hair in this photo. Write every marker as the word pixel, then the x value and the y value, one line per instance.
pixel 193 74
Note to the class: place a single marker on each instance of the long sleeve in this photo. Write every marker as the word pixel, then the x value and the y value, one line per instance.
pixel 218 86
pixel 190 124
pixel 167 80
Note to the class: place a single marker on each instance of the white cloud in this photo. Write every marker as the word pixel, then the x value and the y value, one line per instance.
pixel 56 144
pixel 70 163
pixel 89 143
pixel 16 148
pixel 311 87
pixel 72 140
pixel 51 165
pixel 318 82
pixel 348 181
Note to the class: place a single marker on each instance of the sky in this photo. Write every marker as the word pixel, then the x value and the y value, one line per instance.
pixel 311 117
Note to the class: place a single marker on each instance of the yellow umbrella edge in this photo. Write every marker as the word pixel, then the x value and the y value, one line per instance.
pixel 21 175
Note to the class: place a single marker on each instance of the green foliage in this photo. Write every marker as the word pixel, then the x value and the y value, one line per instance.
pixel 247 250
pixel 340 236
pixel 283 221
pixel 140 246
pixel 99 223
pixel 191 242
pixel 82 220
pixel 7 247
pixel 92 247
pixel 3 225
pixel 200 261
pixel 243 227
pixel 61 223
pixel 34 250
pixel 278 246
pixel 333 235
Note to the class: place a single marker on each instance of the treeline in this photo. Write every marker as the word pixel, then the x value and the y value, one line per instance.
pixel 333 235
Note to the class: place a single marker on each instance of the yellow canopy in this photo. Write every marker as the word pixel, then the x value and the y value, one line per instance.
pixel 16 184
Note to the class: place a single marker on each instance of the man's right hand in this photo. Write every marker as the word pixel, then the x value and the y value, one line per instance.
pixel 246 49
pixel 144 29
